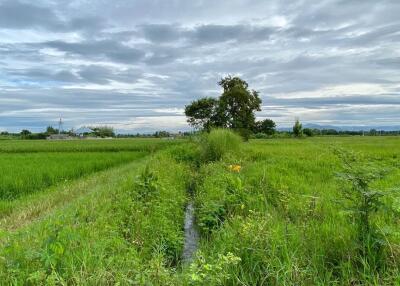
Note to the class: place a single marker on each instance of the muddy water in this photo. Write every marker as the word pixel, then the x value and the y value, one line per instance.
pixel 191 235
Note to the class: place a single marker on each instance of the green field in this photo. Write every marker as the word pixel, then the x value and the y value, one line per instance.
pixel 111 212
pixel 115 145
pixel 25 173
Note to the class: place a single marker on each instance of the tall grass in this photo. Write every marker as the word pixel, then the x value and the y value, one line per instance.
pixel 218 143
pixel 280 221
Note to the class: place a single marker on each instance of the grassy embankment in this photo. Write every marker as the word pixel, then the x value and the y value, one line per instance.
pixel 284 218
pixel 121 225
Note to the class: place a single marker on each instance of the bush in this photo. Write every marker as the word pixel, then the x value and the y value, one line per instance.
pixel 297 129
pixel 244 133
pixel 308 132
pixel 362 203
pixel 218 143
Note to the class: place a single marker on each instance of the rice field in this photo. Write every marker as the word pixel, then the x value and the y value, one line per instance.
pixel 26 173
pixel 114 145
pixel 267 212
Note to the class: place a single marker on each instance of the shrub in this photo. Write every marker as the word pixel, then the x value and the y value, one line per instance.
pixel 210 217
pixel 308 132
pixel 146 185
pixel 212 271
pixel 218 143
pixel 363 203
pixel 297 129
pixel 244 133
pixel 260 136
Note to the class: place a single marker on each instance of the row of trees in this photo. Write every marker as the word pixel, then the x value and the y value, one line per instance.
pixel 234 109
pixel 298 131
pixel 98 131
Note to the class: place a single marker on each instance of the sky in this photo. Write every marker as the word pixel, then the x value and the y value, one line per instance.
pixel 134 65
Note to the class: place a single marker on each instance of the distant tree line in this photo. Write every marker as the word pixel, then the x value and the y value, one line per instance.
pixel 98 131
pixel 157 134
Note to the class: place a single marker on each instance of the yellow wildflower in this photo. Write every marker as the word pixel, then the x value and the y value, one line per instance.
pixel 235 168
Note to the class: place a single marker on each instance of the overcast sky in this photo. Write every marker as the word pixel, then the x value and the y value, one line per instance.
pixel 135 64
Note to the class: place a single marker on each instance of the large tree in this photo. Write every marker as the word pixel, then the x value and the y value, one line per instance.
pixel 234 109
pixel 237 104
pixel 202 113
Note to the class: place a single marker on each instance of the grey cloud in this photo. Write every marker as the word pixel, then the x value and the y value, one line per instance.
pixel 15 14
pixel 162 55
pixel 389 63
pixel 41 74
pixel 204 34
pixel 87 24
pixel 96 74
pixel 19 15
pixel 161 32
pixel 100 49
pixel 103 75
pixel 128 59
pixel 380 99
pixel 221 33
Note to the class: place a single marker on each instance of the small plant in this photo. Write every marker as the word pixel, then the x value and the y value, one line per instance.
pixel 211 216
pixel 146 184
pixel 216 272
pixel 235 195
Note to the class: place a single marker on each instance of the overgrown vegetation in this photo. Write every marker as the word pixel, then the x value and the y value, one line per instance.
pixel 286 220
pixel 218 143
pixel 270 212
pixel 129 232
pixel 363 203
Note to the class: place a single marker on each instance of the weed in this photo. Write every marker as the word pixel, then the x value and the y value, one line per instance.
pixel 214 272
pixel 146 185
pixel 219 142
pixel 363 205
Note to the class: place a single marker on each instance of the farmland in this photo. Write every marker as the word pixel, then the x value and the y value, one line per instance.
pixel 268 212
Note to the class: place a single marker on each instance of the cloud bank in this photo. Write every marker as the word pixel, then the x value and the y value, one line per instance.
pixel 135 64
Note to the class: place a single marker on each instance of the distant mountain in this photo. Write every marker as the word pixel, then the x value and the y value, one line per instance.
pixel 344 128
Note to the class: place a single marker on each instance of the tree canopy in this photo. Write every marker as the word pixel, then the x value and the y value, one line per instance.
pixel 51 130
pixel 266 126
pixel 202 113
pixel 234 109
pixel 103 131
pixel 298 129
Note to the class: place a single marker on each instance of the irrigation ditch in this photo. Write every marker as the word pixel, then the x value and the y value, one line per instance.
pixel 192 236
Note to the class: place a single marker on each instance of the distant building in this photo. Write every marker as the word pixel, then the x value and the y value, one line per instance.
pixel 59 137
